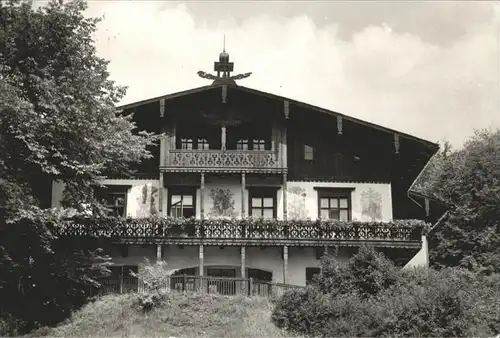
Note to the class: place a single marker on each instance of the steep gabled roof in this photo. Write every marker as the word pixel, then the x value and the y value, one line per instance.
pixel 431 145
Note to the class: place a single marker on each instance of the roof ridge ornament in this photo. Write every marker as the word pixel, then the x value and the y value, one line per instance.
pixel 223 68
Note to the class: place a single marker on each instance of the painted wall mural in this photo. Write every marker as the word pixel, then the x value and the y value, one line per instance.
pixel 223 203
pixel 371 205
pixel 154 196
pixel 296 207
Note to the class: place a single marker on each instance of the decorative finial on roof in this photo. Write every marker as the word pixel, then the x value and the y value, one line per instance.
pixel 223 68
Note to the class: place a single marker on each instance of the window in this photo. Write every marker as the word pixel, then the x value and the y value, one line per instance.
pixel 187 272
pixel 310 273
pixel 203 144
pixel 334 204
pixel 308 153
pixel 263 203
pixel 114 198
pixel 260 275
pixel 242 145
pixel 186 143
pixel 181 203
pixel 259 145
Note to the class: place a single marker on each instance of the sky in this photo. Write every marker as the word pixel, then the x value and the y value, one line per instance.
pixel 429 69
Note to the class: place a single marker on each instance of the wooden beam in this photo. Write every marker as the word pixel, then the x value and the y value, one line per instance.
pixel 243 184
pixel 160 195
pixel 284 148
pixel 201 266
pixel 396 143
pixel 285 264
pixel 243 261
pixel 285 205
pixel 202 196
pixel 162 107
pixel 286 109
pixel 224 93
pixel 223 137
pixel 158 252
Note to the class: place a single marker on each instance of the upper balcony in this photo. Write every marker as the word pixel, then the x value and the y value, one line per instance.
pixel 223 160
pixel 206 148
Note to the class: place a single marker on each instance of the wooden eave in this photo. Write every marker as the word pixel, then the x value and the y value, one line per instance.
pixel 434 147
pixel 271 242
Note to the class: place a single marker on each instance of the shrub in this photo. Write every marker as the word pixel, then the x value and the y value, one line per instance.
pixel 302 310
pixel 155 278
pixel 370 297
pixel 367 273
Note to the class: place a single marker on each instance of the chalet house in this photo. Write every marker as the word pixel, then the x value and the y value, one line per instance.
pixel 262 184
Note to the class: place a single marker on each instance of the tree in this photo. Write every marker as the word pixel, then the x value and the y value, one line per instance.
pixel 469 181
pixel 59 122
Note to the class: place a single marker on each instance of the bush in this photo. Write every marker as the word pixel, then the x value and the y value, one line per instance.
pixel 370 297
pixel 301 310
pixel 367 273
pixel 155 278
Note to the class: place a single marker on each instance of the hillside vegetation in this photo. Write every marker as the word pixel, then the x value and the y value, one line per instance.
pixel 178 315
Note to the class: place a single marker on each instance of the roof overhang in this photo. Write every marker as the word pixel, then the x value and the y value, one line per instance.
pixel 433 147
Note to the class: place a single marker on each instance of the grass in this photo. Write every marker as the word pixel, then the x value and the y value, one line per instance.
pixel 180 315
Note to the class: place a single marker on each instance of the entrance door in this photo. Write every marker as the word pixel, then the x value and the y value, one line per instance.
pixel 222 286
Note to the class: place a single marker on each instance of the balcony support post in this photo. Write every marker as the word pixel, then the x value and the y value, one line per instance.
pixel 223 137
pixel 285 264
pixel 243 184
pixel 243 261
pixel 160 195
pixel 202 196
pixel 285 205
pixel 158 252
pixel 201 268
pixel 173 142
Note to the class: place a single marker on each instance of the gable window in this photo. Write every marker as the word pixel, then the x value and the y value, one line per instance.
pixel 263 202
pixel 114 199
pixel 186 143
pixel 181 202
pixel 242 145
pixel 334 204
pixel 310 273
pixel 259 145
pixel 308 153
pixel 203 144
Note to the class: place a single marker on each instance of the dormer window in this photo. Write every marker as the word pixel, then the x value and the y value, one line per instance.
pixel 203 144
pixel 242 145
pixel 186 143
pixel 259 145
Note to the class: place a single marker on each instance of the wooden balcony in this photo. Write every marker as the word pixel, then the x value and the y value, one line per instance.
pixel 225 232
pixel 223 160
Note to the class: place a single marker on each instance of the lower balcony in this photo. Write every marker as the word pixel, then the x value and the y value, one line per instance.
pixel 256 232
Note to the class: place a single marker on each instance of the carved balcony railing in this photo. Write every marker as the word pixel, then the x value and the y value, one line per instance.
pixel 223 159
pixel 165 229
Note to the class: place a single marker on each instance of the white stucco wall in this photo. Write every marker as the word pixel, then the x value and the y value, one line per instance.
pixel 302 199
pixel 139 196
pixel 265 258
pixel 421 258
pixel 233 184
